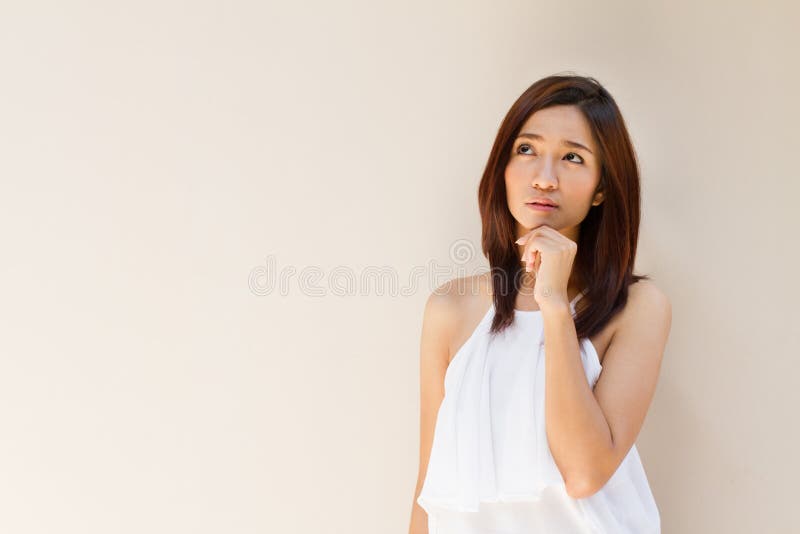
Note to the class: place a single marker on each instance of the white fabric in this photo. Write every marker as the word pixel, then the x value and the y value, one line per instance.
pixel 491 470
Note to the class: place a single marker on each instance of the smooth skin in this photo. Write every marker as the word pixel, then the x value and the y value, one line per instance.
pixel 590 431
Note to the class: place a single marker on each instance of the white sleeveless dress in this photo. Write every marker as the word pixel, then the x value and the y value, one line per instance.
pixel 491 470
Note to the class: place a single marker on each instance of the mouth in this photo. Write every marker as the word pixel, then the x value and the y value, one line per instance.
pixel 541 206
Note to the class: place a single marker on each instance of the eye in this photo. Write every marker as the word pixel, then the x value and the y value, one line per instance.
pixel 526 145
pixel 574 154
pixel 523 145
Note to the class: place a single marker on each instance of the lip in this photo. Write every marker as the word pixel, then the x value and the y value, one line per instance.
pixel 541 207
pixel 542 200
pixel 541 204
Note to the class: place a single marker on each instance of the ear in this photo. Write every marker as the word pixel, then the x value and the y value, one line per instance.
pixel 599 195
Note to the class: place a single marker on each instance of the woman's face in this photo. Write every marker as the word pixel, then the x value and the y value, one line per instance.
pixel 545 162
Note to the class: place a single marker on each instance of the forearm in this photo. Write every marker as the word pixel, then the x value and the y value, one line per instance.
pixel 577 431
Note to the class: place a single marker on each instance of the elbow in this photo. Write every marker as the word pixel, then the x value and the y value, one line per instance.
pixel 582 487
pixel 586 482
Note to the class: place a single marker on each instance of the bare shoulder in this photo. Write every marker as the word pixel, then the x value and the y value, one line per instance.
pixel 648 307
pixel 446 302
pixel 645 295
pixel 455 308
pixel 440 316
pixel 440 320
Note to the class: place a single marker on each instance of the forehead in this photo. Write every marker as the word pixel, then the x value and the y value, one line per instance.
pixel 559 123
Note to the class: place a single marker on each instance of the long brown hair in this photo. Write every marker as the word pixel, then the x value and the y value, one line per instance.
pixel 608 233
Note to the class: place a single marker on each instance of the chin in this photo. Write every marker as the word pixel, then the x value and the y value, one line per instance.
pixel 541 222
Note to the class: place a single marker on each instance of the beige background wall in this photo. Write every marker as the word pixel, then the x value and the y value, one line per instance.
pixel 161 162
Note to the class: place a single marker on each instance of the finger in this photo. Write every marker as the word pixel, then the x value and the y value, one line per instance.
pixel 527 237
pixel 534 250
pixel 529 254
pixel 536 243
pixel 524 239
pixel 534 258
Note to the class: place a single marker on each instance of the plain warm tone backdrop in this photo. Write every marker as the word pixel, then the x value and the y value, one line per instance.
pixel 194 197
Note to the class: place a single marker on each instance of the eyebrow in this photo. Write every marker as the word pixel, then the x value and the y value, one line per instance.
pixel 565 142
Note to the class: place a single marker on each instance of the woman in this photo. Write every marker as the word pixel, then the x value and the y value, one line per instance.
pixel 512 442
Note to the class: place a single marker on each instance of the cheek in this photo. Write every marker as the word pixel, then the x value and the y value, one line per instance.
pixel 579 186
pixel 511 189
pixel 514 187
pixel 516 176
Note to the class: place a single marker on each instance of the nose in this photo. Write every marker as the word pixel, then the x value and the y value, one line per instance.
pixel 545 178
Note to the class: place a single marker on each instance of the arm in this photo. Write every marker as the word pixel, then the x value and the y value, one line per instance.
pixel 591 432
pixel 433 362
